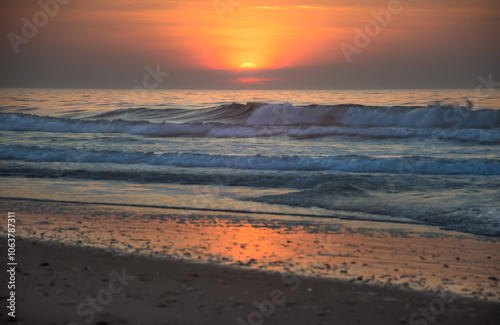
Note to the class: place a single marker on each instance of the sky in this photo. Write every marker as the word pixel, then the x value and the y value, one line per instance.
pixel 249 44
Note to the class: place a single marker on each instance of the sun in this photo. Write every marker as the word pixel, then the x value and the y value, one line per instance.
pixel 248 66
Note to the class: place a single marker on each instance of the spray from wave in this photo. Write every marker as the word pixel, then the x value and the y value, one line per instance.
pixel 263 120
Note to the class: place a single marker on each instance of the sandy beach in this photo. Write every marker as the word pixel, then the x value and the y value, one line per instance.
pixel 184 267
pixel 55 279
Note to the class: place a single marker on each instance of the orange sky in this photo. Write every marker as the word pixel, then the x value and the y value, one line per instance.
pixel 282 34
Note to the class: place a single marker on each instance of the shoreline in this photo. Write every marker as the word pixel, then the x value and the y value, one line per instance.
pixel 416 257
pixel 56 280
pixel 337 215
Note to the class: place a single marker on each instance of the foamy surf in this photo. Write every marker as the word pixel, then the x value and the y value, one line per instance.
pixel 349 163
pixel 399 159
pixel 260 120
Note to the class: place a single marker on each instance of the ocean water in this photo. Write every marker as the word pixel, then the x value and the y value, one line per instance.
pixel 411 156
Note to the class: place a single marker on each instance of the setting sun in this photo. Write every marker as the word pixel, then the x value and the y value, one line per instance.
pixel 248 66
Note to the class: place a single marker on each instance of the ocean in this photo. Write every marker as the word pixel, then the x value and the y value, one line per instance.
pixel 405 156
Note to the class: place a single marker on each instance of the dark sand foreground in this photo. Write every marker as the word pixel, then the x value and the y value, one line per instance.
pixel 53 280
pixel 95 264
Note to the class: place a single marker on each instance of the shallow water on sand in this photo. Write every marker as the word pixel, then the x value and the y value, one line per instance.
pixel 385 254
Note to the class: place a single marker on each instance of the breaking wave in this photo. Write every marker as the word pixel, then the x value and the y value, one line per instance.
pixel 457 117
pixel 347 163
pixel 263 120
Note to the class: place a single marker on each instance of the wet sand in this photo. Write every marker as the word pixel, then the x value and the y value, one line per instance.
pixel 192 268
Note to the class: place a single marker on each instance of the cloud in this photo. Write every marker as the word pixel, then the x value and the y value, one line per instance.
pixel 107 44
pixel 309 7
pixel 267 7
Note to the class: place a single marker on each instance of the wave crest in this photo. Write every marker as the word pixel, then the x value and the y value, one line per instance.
pixel 371 116
pixel 346 163
pixel 262 120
